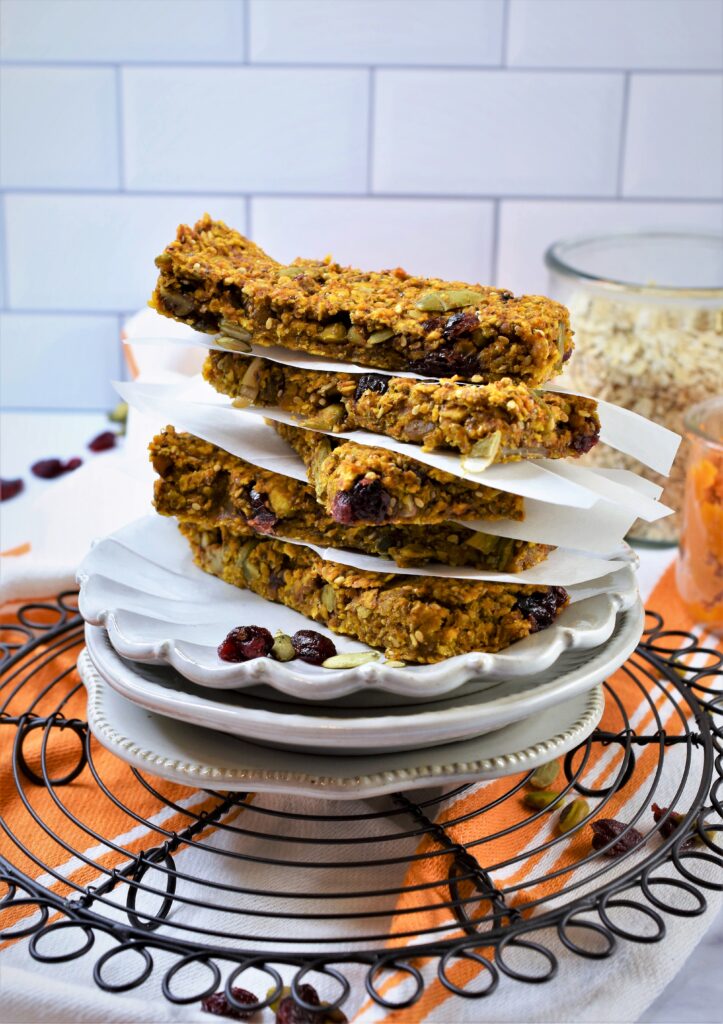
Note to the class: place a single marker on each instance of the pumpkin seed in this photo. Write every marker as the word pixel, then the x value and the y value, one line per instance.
pixel 379 336
pixel 560 344
pixel 334 332
pixel 350 660
pixel 328 418
pixel 543 776
pixel 484 542
pixel 289 271
pixel 440 302
pixel 328 597
pixel 572 815
pixel 283 649
pixel 285 991
pixel 119 414
pixel 250 383
pixel 251 572
pixel 355 335
pixel 541 799
pixel 483 453
pixel 234 331
pixel 396 664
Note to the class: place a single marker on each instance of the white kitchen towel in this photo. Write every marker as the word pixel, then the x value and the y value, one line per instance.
pixel 617 989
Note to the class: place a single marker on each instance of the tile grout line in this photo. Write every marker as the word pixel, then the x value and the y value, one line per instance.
pixel 4 255
pixel 211 193
pixel 371 100
pixel 121 363
pixel 504 34
pixel 249 217
pixel 190 65
pixel 61 409
pixel 495 241
pixel 623 140
pixel 119 126
pixel 40 311
pixel 246 43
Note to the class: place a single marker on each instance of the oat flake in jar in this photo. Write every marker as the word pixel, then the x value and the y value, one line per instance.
pixel 647 312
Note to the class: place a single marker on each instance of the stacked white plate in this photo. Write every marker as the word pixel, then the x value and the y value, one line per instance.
pixel 159 696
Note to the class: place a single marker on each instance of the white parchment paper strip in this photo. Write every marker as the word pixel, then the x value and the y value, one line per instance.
pixel 626 431
pixel 196 407
pixel 562 568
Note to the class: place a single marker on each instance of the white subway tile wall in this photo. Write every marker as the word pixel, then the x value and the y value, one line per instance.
pixel 451 137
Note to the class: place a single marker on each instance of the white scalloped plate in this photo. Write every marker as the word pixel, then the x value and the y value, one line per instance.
pixel 140 583
pixel 366 722
pixel 194 756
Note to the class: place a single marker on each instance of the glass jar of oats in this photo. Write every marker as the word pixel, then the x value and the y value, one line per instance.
pixel 647 312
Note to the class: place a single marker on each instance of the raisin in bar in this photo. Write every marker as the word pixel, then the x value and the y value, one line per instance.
pixel 205 486
pixel 414 618
pixel 214 279
pixel 501 422
pixel 359 484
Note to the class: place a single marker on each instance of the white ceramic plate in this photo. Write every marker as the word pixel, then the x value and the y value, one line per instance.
pixel 195 756
pixel 361 724
pixel 140 583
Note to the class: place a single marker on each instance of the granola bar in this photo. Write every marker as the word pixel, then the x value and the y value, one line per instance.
pixel 207 487
pixel 356 483
pixel 214 279
pixel 414 618
pixel 503 421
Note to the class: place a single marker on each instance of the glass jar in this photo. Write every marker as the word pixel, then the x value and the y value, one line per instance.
pixel 699 570
pixel 647 312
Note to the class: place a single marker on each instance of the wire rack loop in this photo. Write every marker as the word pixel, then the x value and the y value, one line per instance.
pixel 388 864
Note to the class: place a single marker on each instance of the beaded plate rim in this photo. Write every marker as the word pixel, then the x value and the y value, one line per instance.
pixel 303 783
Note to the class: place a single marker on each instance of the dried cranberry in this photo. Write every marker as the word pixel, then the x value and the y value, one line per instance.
pixel 103 441
pixel 435 323
pixel 371 382
pixel 367 501
pixel 582 443
pixel 9 488
pixel 341 510
pixel 505 296
pixel 458 324
pixel 48 469
pixel 289 1012
pixel 308 994
pixel 540 607
pixel 312 647
pixel 245 643
pixel 607 829
pixel 445 362
pixel 567 355
pixel 263 519
pixel 219 1005
pixel 671 824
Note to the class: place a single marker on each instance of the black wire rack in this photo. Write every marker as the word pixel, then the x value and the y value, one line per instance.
pixel 395 861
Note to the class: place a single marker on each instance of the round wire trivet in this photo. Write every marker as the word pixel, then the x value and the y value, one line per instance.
pixel 499 926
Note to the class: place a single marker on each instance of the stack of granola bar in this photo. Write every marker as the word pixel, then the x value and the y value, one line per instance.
pixel 472 361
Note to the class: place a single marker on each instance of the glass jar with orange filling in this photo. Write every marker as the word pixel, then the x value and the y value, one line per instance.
pixel 699 570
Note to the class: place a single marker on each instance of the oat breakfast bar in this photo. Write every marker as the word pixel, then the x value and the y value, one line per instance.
pixel 503 421
pixel 412 618
pixel 357 483
pixel 214 279
pixel 204 486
